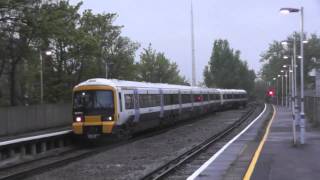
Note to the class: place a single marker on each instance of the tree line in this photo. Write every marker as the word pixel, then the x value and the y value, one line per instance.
pixel 82 44
pixel 227 70
pixel 273 59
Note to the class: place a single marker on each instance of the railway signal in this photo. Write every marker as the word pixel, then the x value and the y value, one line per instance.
pixel 271 93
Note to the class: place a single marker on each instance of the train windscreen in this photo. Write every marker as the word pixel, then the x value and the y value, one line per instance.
pixel 93 102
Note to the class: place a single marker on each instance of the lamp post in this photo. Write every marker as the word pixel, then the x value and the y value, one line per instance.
pixel 275 85
pixel 302 115
pixel 289 87
pixel 278 102
pixel 282 89
pixel 286 87
pixel 48 53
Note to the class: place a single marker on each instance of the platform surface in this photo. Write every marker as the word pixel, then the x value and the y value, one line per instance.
pixel 279 159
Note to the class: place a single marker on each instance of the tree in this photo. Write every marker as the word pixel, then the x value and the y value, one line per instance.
pixel 226 70
pixel 273 58
pixel 155 67
pixel 82 44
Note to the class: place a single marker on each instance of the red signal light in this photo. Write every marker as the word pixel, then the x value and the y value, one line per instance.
pixel 270 93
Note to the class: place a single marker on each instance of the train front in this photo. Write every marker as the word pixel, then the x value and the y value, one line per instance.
pixel 94 110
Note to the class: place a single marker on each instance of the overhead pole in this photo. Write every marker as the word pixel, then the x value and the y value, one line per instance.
pixel 193 49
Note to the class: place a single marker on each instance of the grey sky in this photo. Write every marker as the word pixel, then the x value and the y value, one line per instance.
pixel 249 25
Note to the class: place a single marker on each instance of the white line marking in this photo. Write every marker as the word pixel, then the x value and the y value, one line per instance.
pixel 216 155
pixel 14 141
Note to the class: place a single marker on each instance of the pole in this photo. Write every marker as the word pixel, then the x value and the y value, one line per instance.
pixel 302 121
pixel 286 89
pixel 41 78
pixel 293 105
pixel 277 91
pixel 193 50
pixel 282 90
pixel 296 114
pixel 106 70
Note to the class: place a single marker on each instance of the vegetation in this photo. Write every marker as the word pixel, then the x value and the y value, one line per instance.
pixel 81 46
pixel 273 58
pixel 226 70
pixel 155 67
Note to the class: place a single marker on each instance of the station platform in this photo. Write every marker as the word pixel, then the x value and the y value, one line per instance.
pixel 265 151
pixel 22 136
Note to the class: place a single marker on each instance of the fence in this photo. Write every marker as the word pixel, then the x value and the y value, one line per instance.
pixel 312 110
pixel 16 120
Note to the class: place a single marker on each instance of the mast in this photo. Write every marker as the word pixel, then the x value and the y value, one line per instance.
pixel 193 50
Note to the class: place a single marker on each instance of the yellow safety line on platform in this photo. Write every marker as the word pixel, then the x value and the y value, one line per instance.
pixel 259 149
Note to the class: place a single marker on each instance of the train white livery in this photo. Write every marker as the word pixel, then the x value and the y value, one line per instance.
pixel 110 106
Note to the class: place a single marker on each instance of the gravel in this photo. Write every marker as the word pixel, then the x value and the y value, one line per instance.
pixel 133 160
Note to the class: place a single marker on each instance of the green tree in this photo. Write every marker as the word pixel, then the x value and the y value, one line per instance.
pixel 273 60
pixel 82 44
pixel 226 70
pixel 155 67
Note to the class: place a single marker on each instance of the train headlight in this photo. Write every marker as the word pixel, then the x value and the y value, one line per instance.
pixel 78 119
pixel 110 118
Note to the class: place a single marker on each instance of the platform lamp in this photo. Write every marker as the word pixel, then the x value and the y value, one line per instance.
pixel 286 11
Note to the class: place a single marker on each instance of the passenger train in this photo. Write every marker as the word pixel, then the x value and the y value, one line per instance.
pixel 116 107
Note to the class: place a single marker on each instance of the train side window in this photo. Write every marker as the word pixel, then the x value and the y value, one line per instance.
pixel 156 100
pixel 198 97
pixel 174 98
pixel 186 98
pixel 144 100
pixel 129 103
pixel 205 97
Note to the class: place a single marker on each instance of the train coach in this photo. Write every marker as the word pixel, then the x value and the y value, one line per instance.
pixel 121 108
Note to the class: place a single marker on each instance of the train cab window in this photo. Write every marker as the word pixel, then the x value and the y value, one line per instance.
pixel 93 102
pixel 129 101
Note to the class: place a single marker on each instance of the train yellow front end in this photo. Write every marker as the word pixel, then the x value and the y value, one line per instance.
pixel 94 110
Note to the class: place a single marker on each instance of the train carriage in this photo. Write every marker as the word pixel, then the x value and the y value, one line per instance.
pixel 109 106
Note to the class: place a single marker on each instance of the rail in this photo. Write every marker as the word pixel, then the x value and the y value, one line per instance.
pixel 164 170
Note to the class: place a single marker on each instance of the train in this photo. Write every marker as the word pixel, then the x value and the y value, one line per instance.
pixel 122 108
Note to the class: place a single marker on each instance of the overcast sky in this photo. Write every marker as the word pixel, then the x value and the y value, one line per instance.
pixel 249 25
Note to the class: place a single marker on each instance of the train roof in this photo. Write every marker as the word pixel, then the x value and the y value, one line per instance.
pixel 133 84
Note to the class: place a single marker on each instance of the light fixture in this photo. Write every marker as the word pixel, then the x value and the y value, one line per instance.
pixel 78 119
pixel 286 11
pixel 48 53
pixel 285 57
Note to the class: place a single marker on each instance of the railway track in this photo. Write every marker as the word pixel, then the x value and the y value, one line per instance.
pixel 171 169
pixel 74 153
pixel 28 169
